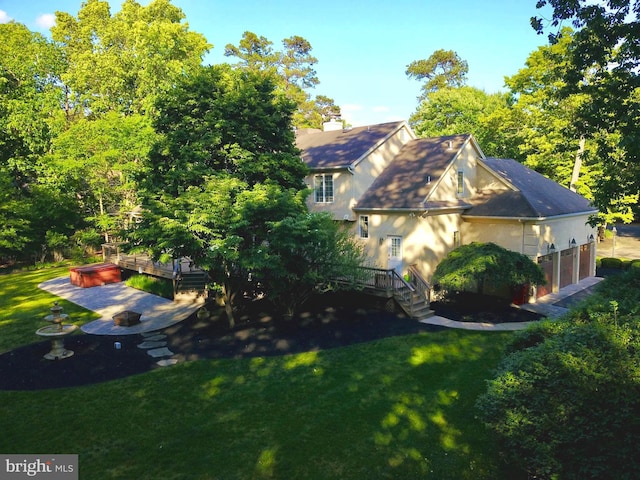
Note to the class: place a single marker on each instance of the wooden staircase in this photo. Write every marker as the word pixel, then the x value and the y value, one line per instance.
pixel 414 304
pixel 190 286
pixel 413 295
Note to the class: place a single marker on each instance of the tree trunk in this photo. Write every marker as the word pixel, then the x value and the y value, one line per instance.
pixel 228 295
pixel 577 164
pixel 106 234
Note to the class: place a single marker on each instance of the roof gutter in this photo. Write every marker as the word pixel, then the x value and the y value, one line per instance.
pixel 422 211
pixel 529 219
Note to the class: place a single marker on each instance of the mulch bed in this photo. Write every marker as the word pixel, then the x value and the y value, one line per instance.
pixel 348 320
pixel 473 307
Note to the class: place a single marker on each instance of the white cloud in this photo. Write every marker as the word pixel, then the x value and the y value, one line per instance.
pixel 381 109
pixel 46 20
pixel 4 17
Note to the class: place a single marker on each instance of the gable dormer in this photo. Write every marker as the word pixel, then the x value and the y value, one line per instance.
pixel 345 162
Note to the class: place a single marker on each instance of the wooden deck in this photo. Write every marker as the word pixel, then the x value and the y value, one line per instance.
pixel 413 295
pixel 184 275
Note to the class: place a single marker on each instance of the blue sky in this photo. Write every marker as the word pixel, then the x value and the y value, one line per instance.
pixel 363 47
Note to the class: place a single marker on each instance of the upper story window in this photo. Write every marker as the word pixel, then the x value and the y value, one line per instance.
pixel 460 187
pixel 323 188
pixel 363 226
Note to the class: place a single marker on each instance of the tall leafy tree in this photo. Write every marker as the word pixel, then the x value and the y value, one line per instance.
pixel 98 159
pixel 603 64
pixel 450 111
pixel 443 68
pixel 123 62
pixel 30 100
pixel 224 120
pixel 32 213
pixel 294 67
pixel 226 150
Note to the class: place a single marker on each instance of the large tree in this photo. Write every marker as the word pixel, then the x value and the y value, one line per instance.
pixel 32 212
pixel 544 122
pixel 223 120
pixel 603 64
pixel 451 111
pixel 98 159
pixel 443 69
pixel 294 68
pixel 226 150
pixel 122 62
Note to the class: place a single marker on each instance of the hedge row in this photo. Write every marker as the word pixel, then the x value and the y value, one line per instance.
pixel 618 263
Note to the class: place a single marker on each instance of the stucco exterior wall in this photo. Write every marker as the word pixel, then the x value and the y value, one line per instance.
pixel 530 238
pixel 425 240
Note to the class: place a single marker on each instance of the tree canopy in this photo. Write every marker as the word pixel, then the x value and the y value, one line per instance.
pixel 443 69
pixel 224 187
pixel 223 120
pixel 122 62
pixel 293 68
pixel 603 65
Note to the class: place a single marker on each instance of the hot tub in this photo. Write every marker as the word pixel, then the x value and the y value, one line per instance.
pixel 95 275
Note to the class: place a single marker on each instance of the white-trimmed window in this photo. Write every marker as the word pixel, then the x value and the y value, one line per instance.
pixel 460 186
pixel 363 226
pixel 323 186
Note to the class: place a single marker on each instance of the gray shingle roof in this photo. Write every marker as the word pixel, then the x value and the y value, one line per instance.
pixel 409 178
pixel 537 196
pixel 341 148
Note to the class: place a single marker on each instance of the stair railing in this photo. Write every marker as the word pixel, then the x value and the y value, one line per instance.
pixel 418 281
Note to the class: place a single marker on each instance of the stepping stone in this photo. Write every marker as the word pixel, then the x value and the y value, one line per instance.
pixel 160 352
pixel 150 334
pixel 147 344
pixel 155 338
pixel 167 362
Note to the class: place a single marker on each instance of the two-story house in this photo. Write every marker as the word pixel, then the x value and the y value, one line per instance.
pixel 411 201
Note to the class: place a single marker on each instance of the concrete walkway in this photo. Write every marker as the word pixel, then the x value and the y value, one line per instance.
pixel 547 306
pixel 107 300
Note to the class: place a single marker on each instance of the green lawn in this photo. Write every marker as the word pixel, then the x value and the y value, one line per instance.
pixel 398 408
pixel 23 306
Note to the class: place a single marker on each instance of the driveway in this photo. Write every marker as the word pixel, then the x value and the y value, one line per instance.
pixel 626 245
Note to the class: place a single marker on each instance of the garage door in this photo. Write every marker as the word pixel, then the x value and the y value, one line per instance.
pixel 585 260
pixel 566 267
pixel 546 263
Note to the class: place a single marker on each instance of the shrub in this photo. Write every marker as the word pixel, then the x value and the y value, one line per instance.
pixel 566 399
pixel 486 265
pixel 609 262
pixel 569 406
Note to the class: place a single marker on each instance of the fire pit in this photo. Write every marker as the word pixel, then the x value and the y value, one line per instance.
pixel 126 318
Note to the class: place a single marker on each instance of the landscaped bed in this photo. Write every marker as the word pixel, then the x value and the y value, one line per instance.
pixel 473 307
